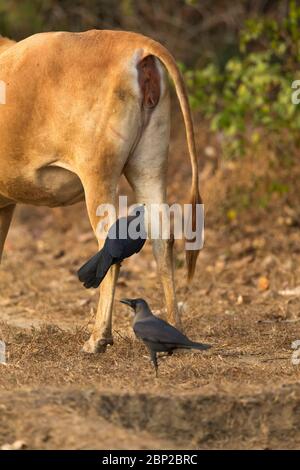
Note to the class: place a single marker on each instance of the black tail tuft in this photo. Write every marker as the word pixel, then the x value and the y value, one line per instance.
pixel 94 270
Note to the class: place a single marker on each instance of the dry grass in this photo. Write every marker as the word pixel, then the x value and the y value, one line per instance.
pixel 243 391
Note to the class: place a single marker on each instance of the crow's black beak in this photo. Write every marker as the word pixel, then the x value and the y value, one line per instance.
pixel 129 302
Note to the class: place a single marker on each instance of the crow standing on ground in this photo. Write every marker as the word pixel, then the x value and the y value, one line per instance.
pixel 158 335
pixel 115 249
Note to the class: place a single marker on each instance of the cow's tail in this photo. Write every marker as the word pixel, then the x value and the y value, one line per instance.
pixel 157 50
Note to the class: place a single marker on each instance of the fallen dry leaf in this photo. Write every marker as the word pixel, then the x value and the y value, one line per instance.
pixel 263 283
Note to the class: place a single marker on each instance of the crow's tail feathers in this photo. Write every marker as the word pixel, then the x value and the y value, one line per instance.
pixel 94 270
pixel 200 346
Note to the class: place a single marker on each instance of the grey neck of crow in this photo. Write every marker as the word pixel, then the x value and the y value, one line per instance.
pixel 142 310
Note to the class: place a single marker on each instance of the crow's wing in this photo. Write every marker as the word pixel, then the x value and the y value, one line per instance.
pixel 121 248
pixel 158 331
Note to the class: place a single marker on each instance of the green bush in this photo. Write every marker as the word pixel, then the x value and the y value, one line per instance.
pixel 250 96
pixel 18 16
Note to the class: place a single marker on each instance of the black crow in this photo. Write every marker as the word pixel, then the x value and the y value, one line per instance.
pixel 157 334
pixel 119 244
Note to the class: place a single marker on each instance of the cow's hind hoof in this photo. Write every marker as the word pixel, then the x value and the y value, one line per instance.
pixel 95 347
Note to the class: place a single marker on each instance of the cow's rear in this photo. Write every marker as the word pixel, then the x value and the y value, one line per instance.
pixel 83 108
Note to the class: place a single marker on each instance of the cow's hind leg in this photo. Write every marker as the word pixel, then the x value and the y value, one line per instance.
pixel 146 172
pixel 102 331
pixel 152 193
pixel 5 220
pixel 100 174
pixel 98 192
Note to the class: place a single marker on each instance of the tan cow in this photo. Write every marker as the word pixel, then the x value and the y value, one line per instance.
pixel 81 109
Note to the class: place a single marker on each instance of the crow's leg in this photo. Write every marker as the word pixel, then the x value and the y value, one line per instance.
pixel 5 220
pixel 154 361
pixel 146 171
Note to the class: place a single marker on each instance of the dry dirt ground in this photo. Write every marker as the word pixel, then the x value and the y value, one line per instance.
pixel 243 393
